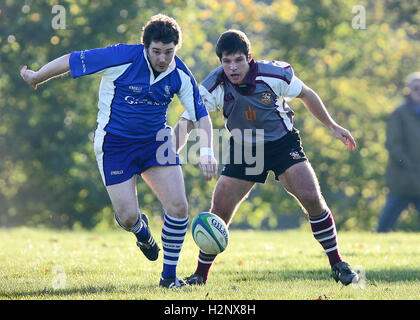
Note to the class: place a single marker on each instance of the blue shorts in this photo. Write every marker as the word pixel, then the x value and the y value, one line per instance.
pixel 120 158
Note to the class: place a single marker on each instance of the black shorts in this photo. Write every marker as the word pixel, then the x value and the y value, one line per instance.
pixel 252 163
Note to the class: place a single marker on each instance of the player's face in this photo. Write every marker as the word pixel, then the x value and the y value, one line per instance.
pixel 160 55
pixel 236 66
pixel 415 91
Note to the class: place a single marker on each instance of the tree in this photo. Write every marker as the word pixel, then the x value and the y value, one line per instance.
pixel 48 172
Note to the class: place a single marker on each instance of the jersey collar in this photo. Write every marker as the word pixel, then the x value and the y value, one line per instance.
pixel 249 86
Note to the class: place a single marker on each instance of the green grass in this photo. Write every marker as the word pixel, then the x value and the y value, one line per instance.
pixel 257 265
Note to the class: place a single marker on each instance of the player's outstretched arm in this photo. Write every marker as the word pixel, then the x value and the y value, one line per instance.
pixel 208 163
pixel 181 132
pixel 314 104
pixel 51 70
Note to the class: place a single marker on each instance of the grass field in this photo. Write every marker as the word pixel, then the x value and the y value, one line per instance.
pixel 282 265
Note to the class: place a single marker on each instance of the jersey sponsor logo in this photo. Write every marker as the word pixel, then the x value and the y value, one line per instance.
pixel 266 98
pixel 250 114
pixel 132 100
pixel 135 89
pixel 117 172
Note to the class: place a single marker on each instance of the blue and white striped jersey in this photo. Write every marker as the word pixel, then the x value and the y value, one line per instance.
pixel 132 102
pixel 259 105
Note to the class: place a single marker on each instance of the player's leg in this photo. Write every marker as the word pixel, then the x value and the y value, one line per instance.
pixel 301 182
pixel 124 200
pixel 228 194
pixel 394 206
pixel 116 159
pixel 129 217
pixel 167 183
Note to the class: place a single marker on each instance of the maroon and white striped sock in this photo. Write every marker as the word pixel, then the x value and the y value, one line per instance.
pixel 323 229
pixel 205 262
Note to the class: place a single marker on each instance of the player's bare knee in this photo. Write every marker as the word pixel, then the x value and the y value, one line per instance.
pixel 311 200
pixel 127 218
pixel 223 210
pixel 127 212
pixel 178 209
pixel 224 198
pixel 220 205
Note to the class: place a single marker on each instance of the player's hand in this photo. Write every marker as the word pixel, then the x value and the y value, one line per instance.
pixel 208 166
pixel 29 76
pixel 344 135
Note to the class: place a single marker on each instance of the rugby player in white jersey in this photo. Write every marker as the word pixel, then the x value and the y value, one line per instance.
pixel 253 97
pixel 132 137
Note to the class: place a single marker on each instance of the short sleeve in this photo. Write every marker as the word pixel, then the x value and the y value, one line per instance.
pixel 93 61
pixel 189 94
pixel 290 85
pixel 293 89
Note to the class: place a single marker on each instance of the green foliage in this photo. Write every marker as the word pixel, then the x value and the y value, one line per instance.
pixel 48 173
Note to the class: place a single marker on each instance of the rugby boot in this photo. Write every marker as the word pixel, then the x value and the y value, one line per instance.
pixel 149 247
pixel 171 283
pixel 195 279
pixel 342 272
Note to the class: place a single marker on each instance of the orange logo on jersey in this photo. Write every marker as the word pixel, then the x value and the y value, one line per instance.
pixel 250 115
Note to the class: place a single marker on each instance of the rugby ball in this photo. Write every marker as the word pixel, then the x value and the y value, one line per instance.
pixel 210 233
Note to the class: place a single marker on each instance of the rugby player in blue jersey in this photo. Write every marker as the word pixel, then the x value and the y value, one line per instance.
pixel 132 137
pixel 253 97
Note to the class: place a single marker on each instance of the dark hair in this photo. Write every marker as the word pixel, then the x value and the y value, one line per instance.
pixel 162 28
pixel 233 41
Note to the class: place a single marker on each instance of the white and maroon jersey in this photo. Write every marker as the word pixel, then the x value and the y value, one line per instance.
pixel 259 103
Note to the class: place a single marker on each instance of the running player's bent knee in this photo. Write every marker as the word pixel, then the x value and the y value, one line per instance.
pixel 313 202
pixel 177 209
pixel 126 219
pixel 224 211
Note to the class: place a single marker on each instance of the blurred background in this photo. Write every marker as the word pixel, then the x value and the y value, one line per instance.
pixel 354 54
